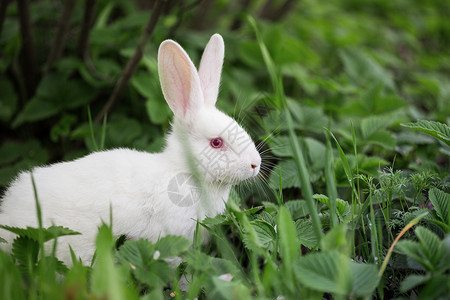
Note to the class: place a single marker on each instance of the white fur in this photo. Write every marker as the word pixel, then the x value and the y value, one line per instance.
pixel 137 186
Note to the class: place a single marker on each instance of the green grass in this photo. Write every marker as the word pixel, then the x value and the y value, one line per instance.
pixel 351 100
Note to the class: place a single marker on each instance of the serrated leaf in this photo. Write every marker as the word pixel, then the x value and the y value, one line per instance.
pixel 172 245
pixel 382 138
pixel 372 124
pixel 438 130
pixel 332 272
pixel 265 233
pixel 49 233
pixel 306 234
pixel 138 254
pixel 431 246
pixel 414 251
pixel 25 251
pixel 219 219
pixel 297 208
pixel 364 278
pixel 412 281
pixel 342 206
pixel 324 271
pixel 440 201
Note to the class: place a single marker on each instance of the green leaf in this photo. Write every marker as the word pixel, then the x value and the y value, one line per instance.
pixel 438 130
pixel 289 245
pixel 363 69
pixel 364 278
pixel 109 280
pixel 265 234
pixel 411 281
pixel 372 124
pixel 440 201
pixel 342 206
pixel 306 234
pixel 11 281
pixel 25 250
pixel 332 272
pixel 48 233
pixel 297 208
pixel 36 109
pixel 137 254
pixel 335 239
pixel 429 251
pixel 431 245
pixel 171 245
pixel 382 138
pixel 325 272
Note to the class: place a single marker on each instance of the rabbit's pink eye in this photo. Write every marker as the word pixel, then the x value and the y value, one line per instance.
pixel 216 142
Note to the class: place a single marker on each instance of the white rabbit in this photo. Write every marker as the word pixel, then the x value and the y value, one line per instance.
pixel 150 195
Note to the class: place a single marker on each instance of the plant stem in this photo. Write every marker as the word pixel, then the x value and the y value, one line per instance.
pixel 132 64
pixel 29 64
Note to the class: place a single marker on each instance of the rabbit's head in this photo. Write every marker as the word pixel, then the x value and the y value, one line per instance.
pixel 216 144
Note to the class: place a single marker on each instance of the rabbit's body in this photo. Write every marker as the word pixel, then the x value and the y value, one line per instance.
pixel 140 207
pixel 149 195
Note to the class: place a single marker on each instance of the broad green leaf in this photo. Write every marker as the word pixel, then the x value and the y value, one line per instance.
pixel 297 208
pixel 325 272
pixel 382 138
pixel 171 245
pixel 431 245
pixel 137 254
pixel 332 272
pixel 372 124
pixel 335 239
pixel 441 203
pixel 414 250
pixel 412 281
pixel 289 245
pixel 265 233
pixel 364 278
pixel 123 131
pixel 155 275
pixel 36 109
pixel 342 206
pixel 363 69
pixel 228 289
pixel 49 233
pixel 306 234
pixel 10 278
pixel 439 130
pixel 436 288
pixel 25 250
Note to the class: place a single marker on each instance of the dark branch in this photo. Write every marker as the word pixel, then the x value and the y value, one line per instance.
pixel 88 18
pixel 134 61
pixel 28 63
pixel 61 34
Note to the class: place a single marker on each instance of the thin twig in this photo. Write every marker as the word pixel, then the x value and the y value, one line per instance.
pixel 27 52
pixel 134 61
pixel 63 28
pixel 86 26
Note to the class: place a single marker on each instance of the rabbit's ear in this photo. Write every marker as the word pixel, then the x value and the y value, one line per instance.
pixel 179 81
pixel 211 68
